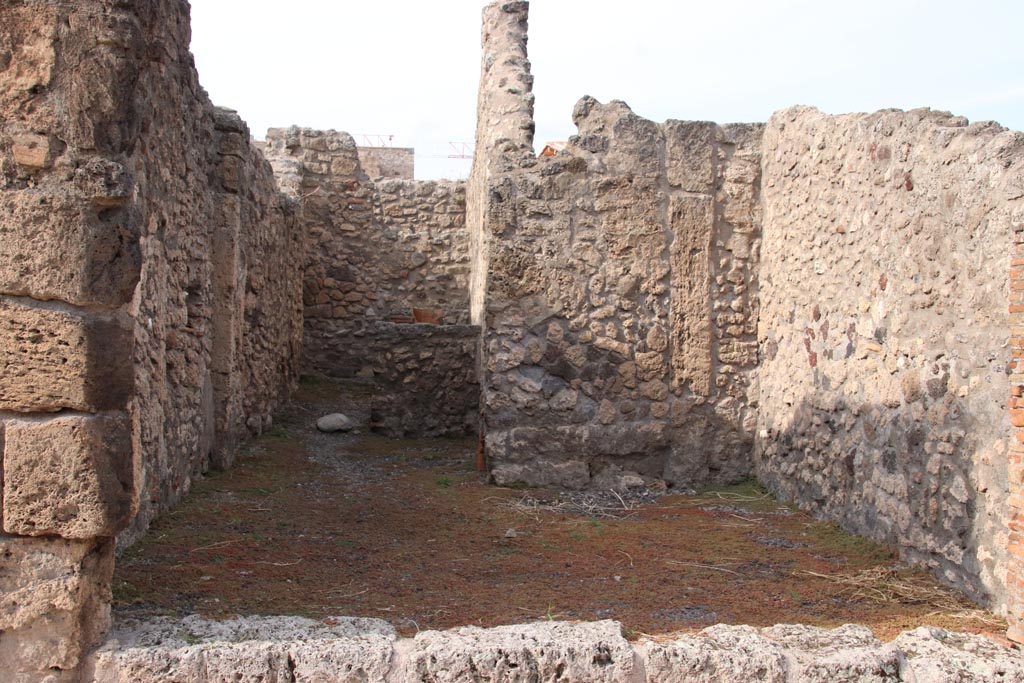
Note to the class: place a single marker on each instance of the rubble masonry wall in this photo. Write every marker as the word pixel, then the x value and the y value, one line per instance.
pixel 883 330
pixel 822 301
pixel 378 251
pixel 620 299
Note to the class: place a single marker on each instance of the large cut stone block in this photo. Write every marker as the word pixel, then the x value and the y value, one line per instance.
pixel 80 248
pixel 53 359
pixel 194 650
pixel 70 476
pixel 54 604
pixel 593 652
pixel 690 155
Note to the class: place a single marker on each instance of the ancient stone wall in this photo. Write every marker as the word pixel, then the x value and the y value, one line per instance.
pixel 382 256
pixel 388 162
pixel 422 377
pixel 376 250
pixel 1015 456
pixel 883 329
pixel 620 299
pixel 504 125
pixel 621 305
pixel 123 196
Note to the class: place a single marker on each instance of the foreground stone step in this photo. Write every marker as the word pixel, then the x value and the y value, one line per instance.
pixel 349 650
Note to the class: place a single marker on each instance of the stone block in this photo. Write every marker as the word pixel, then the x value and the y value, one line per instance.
pixel 690 155
pixel 692 221
pixel 256 649
pixel 28 57
pixel 53 360
pixel 32 150
pixel 78 249
pixel 570 653
pixel 54 597
pixel 70 476
pixel 716 655
pixel 939 656
pixel 727 654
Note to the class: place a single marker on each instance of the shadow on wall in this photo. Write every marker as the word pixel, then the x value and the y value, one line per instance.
pixel 908 476
pixel 421 378
pixel 561 413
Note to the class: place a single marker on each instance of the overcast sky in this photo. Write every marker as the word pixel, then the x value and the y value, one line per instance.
pixel 409 68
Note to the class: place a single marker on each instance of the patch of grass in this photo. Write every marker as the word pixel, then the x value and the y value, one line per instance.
pixel 443 482
pixel 749 487
pixel 829 538
pixel 278 433
pixel 126 593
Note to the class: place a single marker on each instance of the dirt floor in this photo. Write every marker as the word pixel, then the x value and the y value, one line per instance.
pixel 406 530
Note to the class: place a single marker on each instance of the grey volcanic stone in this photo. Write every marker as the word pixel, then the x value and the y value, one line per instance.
pixel 335 422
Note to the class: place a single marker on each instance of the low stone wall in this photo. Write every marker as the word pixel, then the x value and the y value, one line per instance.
pixel 341 650
pixel 424 375
pixel 883 330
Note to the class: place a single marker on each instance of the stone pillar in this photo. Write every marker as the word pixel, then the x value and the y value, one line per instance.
pixel 68 266
pixel 504 123
pixel 1015 464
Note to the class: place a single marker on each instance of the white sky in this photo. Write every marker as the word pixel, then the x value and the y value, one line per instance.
pixel 409 68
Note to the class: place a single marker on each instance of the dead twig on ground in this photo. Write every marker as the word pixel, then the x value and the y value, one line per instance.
pixel 218 544
pixel 587 504
pixel 347 595
pixel 887 585
pixel 703 566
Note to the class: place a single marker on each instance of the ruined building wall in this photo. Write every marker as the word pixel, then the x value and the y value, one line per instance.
pixel 632 328
pixel 388 162
pixel 123 194
pixel 621 305
pixel 620 296
pixel 377 252
pixel 883 330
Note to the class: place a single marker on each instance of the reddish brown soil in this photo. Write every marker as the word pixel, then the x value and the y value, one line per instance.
pixel 360 525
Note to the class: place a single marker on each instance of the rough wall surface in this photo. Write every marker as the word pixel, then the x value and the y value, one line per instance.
pixel 883 330
pixel 424 375
pixel 388 162
pixel 193 650
pixel 1015 457
pixel 381 257
pixel 137 228
pixel 504 123
pixel 619 300
pixel 621 305
pixel 376 250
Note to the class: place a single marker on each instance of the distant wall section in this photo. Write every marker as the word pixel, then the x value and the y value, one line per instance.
pixel 388 162
pixel 385 260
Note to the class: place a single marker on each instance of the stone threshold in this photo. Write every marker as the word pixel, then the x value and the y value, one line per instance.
pixel 350 650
